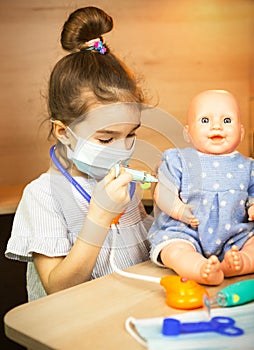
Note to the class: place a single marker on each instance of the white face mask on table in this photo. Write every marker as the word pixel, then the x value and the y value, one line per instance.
pixel 148 332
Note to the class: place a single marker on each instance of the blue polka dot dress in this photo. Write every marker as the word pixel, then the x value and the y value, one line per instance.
pixel 218 187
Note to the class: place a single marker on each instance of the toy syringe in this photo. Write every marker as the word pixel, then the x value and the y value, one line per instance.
pixel 137 175
pixel 236 294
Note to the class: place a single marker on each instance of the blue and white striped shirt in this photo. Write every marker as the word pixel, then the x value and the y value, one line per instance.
pixel 50 217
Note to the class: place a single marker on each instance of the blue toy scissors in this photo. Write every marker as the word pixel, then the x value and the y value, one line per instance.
pixel 219 324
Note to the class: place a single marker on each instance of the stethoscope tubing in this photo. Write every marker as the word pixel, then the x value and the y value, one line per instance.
pixel 71 179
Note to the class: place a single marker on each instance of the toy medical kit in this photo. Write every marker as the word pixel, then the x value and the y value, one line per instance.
pixel 181 293
pixel 137 175
pixel 148 330
pixel 233 295
pixel 219 324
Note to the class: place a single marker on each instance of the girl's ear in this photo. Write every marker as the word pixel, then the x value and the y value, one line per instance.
pixel 60 132
pixel 186 134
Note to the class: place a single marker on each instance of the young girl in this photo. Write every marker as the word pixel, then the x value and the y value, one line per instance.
pixel 206 194
pixel 62 226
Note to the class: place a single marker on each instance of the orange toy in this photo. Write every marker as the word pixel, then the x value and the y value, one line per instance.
pixel 182 293
pixel 115 221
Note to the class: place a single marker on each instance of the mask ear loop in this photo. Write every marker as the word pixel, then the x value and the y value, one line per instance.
pixel 129 325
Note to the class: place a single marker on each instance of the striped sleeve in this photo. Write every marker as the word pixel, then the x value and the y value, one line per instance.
pixel 38 226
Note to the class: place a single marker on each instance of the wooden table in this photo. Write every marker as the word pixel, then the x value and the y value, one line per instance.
pixel 92 315
pixel 10 196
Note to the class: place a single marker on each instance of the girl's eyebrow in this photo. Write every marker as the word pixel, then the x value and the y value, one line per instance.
pixel 114 132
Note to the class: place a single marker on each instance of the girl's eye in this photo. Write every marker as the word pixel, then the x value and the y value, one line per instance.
pixel 227 120
pixel 131 135
pixel 112 139
pixel 105 141
pixel 204 120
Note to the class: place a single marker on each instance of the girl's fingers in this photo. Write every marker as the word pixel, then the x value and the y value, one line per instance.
pixel 110 176
pixel 121 180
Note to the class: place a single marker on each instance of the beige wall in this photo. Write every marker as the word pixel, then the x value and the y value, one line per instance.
pixel 180 47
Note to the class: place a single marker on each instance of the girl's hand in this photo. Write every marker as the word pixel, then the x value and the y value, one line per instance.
pixel 110 197
pixel 251 212
pixel 187 216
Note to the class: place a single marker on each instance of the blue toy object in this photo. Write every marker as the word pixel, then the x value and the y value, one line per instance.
pixel 219 324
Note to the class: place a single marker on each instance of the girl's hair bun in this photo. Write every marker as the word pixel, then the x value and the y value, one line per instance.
pixel 83 25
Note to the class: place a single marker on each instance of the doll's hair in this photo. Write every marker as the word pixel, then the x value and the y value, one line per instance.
pixel 84 78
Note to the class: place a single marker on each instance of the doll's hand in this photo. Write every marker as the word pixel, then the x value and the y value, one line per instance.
pixel 251 212
pixel 110 197
pixel 185 215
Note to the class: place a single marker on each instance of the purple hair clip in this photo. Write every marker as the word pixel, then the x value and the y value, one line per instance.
pixel 96 44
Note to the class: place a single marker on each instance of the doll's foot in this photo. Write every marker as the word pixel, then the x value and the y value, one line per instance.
pixel 236 262
pixel 211 272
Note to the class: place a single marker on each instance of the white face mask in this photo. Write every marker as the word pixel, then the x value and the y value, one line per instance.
pixel 96 160
pixel 148 332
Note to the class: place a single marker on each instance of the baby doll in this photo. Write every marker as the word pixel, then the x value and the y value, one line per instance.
pixel 205 228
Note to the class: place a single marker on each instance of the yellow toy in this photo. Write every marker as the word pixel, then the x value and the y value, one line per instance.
pixel 182 293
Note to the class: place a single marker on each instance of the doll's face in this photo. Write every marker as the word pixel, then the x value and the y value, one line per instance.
pixel 213 122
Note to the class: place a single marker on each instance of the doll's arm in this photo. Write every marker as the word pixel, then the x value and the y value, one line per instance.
pixel 170 203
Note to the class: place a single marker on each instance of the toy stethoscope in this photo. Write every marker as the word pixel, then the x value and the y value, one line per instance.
pixel 71 179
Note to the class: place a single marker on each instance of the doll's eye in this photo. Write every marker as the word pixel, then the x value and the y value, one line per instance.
pixel 227 120
pixel 204 120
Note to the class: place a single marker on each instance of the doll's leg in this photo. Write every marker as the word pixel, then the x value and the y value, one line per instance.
pixel 187 262
pixel 239 262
